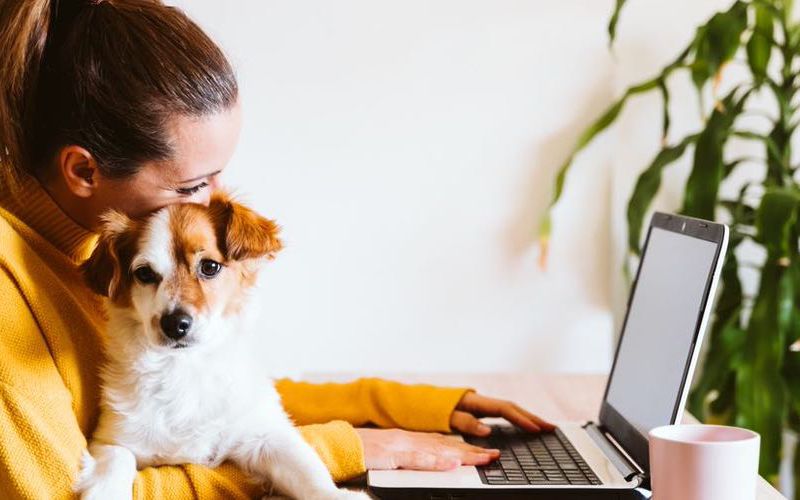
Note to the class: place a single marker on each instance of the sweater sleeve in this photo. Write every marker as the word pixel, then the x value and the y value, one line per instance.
pixel 418 407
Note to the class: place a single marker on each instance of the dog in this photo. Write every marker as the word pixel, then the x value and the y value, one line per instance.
pixel 180 385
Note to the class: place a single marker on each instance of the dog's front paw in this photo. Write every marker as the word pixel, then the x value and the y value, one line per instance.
pixel 350 495
pixel 339 494
pixel 94 484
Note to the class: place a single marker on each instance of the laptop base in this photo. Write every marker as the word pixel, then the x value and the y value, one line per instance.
pixel 505 494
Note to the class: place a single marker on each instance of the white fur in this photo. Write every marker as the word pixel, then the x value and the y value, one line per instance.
pixel 156 245
pixel 202 404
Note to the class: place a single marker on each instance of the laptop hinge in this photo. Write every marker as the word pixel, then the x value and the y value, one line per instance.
pixel 615 453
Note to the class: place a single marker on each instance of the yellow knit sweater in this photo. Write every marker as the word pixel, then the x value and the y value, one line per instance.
pixel 51 340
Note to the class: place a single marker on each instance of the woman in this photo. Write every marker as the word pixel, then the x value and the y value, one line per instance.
pixel 127 104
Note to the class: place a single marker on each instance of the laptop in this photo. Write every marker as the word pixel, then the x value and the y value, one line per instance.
pixel 668 310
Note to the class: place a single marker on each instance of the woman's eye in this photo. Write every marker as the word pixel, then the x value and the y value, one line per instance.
pixel 209 268
pixel 146 275
pixel 191 190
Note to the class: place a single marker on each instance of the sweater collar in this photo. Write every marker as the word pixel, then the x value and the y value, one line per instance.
pixel 32 205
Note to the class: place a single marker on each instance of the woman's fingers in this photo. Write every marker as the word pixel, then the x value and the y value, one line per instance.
pixel 466 423
pixel 519 419
pixel 461 447
pixel 394 448
pixel 475 404
pixel 442 459
pixel 420 460
pixel 544 424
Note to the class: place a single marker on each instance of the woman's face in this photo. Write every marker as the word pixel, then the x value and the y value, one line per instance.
pixel 202 148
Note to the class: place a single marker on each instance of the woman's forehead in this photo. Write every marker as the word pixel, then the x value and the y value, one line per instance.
pixel 202 146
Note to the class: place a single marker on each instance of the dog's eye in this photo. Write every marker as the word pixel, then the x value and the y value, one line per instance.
pixel 209 268
pixel 146 275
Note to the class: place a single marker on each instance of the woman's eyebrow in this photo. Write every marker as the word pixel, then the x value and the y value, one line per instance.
pixel 212 174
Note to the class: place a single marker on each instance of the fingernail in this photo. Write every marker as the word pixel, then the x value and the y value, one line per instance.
pixel 484 428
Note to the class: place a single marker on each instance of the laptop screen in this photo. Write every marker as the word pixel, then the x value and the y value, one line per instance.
pixel 658 338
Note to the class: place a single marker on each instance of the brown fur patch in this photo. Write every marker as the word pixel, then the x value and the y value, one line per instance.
pixel 246 234
pixel 106 270
pixel 193 239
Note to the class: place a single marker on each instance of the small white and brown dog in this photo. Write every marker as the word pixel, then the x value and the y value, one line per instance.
pixel 180 384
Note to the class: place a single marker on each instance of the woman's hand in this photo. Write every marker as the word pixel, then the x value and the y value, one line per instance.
pixel 399 449
pixel 473 406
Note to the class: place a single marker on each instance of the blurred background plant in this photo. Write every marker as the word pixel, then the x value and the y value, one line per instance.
pixel 751 373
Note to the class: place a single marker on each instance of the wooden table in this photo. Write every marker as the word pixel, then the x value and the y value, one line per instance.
pixel 555 396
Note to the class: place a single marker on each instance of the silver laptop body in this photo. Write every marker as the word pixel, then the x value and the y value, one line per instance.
pixel 667 314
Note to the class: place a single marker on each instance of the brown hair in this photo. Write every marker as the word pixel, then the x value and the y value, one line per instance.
pixel 105 75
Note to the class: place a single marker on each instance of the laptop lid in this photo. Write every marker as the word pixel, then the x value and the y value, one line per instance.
pixel 668 309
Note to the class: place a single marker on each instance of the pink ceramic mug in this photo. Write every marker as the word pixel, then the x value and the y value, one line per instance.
pixel 703 462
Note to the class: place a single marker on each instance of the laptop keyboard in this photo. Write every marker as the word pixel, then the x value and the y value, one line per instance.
pixel 543 459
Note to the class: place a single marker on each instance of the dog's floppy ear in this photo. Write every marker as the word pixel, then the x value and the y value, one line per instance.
pixel 242 233
pixel 102 270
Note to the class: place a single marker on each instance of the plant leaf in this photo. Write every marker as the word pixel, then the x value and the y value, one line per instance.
pixel 595 128
pixel 612 24
pixel 717 41
pixel 761 393
pixel 646 188
pixel 741 213
pixel 719 373
pixel 599 125
pixel 759 47
pixel 665 120
pixel 725 343
pixel 708 167
pixel 775 218
pixel 777 155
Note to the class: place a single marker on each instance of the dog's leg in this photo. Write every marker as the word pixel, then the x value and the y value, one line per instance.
pixel 107 471
pixel 291 465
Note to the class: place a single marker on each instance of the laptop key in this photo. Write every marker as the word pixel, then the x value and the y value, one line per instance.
pixel 505 481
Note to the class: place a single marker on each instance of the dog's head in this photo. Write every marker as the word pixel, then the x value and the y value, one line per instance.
pixel 181 269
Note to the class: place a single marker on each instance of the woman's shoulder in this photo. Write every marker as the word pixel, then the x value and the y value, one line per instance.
pixel 47 313
pixel 17 243
pixel 14 243
pixel 25 244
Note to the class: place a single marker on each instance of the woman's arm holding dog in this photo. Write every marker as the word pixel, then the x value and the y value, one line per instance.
pixel 41 445
pixel 41 440
pixel 40 449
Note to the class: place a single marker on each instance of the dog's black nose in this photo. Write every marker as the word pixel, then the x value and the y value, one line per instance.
pixel 176 324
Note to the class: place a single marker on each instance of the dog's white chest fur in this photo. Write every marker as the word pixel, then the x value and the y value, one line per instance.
pixel 187 408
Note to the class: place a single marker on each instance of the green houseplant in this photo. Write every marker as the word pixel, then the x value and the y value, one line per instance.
pixel 751 374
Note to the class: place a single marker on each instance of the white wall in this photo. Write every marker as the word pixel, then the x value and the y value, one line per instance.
pixel 408 150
